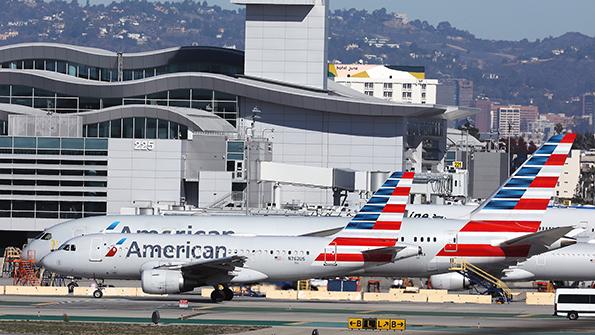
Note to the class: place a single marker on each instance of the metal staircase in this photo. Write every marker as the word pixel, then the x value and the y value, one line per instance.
pixel 492 285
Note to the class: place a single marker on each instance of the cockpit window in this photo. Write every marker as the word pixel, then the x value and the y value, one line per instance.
pixel 67 247
pixel 47 236
pixel 38 236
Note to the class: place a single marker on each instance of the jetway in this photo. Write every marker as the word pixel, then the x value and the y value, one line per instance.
pixel 429 185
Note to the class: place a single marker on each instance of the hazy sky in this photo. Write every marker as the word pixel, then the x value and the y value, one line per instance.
pixel 492 19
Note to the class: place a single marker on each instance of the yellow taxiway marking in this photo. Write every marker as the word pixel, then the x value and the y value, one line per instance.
pixel 298 323
pixel 526 315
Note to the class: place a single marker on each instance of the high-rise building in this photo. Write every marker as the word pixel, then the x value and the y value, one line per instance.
pixel 509 121
pixel 465 92
pixel 457 92
pixel 483 119
pixel 393 83
pixel 589 107
pixel 529 114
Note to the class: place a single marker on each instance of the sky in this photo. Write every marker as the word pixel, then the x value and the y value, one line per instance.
pixel 490 19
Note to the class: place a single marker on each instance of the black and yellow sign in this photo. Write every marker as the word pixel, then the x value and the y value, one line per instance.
pixel 376 324
pixel 457 164
pixel 355 323
pixel 396 324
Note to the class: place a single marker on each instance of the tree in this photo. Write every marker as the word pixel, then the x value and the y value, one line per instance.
pixel 470 129
pixel 558 128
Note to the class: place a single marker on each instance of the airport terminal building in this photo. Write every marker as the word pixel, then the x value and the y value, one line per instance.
pixel 85 131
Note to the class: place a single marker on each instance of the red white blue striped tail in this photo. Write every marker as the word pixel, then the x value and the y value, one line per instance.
pixel 517 208
pixel 527 193
pixel 376 225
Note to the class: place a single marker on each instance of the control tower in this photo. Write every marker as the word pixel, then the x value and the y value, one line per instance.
pixel 286 41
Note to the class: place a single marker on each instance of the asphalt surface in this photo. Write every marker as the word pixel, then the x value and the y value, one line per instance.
pixel 288 318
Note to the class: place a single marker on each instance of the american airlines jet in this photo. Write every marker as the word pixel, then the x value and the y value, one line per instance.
pixel 173 263
pixel 504 230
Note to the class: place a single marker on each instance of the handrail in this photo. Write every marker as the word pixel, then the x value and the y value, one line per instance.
pixel 458 264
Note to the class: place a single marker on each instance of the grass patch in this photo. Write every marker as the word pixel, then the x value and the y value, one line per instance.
pixel 84 328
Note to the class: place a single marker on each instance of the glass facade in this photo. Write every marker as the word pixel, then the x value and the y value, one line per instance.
pixel 111 74
pixel 56 178
pixel 221 104
pixel 137 127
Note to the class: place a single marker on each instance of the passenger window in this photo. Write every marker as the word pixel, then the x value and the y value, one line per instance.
pixel 307 252
pixel 289 252
pixel 434 239
pixel 271 252
pixel 421 239
pixel 415 239
pixel 73 247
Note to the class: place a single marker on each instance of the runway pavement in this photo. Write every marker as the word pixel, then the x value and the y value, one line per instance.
pixel 288 318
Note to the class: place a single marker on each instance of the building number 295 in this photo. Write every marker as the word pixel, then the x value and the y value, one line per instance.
pixel 145 145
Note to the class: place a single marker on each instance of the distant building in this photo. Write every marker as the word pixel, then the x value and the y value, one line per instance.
pixel 457 92
pixel 508 121
pixel 568 181
pixel 529 114
pixel 483 119
pixel 589 107
pixel 393 83
pixel 446 93
pixel 465 92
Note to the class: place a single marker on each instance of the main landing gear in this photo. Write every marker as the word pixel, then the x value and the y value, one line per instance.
pixel 221 293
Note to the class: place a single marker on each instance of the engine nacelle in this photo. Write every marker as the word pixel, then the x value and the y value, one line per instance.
pixel 157 281
pixel 449 281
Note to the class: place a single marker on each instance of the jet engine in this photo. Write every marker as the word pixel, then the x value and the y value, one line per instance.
pixel 157 281
pixel 449 281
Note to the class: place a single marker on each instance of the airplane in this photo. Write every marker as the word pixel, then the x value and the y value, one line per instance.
pixel 174 263
pixel 572 263
pixel 582 218
pixel 51 238
pixel 501 232
pixel 504 230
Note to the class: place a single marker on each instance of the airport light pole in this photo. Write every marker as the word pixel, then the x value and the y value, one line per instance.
pixel 255 115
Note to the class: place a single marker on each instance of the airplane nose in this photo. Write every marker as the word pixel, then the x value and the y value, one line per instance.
pixel 49 262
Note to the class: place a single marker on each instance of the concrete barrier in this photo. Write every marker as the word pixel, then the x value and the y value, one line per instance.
pixel 83 291
pixel 282 295
pixel 120 292
pixel 372 296
pixel 540 298
pixel 1 290
pixel 206 292
pixel 35 290
pixel 329 296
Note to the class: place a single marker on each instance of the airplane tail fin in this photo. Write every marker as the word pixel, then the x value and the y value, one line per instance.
pixel 383 214
pixel 525 196
pixel 375 226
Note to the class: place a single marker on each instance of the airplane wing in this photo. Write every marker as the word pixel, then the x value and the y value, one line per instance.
pixel 207 268
pixel 323 233
pixel 537 242
pixel 397 252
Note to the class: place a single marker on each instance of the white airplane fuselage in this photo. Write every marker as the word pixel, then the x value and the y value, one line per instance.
pixel 268 225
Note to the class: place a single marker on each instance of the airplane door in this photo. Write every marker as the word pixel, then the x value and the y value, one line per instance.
pixel 95 252
pixel 330 255
pixel 452 244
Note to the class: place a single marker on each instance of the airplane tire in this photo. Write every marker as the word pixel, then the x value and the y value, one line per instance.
pixel 97 294
pixel 228 294
pixel 71 287
pixel 217 296
pixel 573 315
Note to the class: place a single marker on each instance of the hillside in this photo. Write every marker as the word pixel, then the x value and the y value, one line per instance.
pixel 552 73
